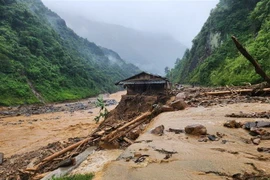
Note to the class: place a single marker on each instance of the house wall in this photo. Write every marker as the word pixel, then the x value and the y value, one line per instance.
pixel 133 89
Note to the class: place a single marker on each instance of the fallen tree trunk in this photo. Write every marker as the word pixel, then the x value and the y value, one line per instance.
pixel 115 132
pixel 245 53
pixel 241 91
pixel 51 157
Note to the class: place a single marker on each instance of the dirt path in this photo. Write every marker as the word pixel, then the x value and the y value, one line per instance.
pixel 21 134
pixel 193 160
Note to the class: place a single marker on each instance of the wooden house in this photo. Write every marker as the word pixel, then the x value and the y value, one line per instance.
pixel 145 83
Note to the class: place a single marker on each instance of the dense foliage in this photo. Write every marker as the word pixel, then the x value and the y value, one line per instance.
pixel 213 58
pixel 39 54
pixel 76 177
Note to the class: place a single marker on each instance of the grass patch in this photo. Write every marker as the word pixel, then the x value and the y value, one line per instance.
pixel 76 177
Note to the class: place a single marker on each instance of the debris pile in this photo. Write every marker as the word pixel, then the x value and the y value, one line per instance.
pixel 256 130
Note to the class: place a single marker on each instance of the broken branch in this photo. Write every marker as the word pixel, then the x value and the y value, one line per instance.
pixel 111 135
pixel 51 157
pixel 245 53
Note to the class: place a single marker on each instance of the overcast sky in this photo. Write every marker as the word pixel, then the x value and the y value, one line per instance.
pixel 182 19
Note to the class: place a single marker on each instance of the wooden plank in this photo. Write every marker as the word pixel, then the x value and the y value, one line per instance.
pixel 241 91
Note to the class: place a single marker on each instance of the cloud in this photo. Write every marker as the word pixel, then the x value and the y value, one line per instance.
pixel 182 19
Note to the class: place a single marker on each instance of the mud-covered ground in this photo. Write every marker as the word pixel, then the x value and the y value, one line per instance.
pixel 28 134
pixel 176 156
pixel 25 131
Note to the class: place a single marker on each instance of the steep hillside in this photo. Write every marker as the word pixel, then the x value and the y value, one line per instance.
pixel 43 60
pixel 213 58
pixel 149 51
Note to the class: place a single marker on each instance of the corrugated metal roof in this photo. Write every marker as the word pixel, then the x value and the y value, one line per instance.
pixel 137 80
pixel 142 82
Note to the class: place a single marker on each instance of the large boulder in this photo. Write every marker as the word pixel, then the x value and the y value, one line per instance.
pixel 196 129
pixel 179 104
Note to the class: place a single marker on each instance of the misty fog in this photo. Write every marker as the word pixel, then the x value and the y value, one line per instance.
pixel 178 20
pixel 182 19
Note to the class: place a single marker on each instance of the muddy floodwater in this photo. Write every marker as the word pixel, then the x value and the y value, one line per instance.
pixel 193 159
pixel 147 158
pixel 22 134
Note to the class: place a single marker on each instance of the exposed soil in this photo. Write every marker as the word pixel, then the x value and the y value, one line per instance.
pixel 25 130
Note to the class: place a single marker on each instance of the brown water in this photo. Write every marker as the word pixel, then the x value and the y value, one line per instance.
pixel 22 134
pixel 194 159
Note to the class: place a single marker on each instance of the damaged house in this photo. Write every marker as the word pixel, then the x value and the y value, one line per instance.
pixel 145 83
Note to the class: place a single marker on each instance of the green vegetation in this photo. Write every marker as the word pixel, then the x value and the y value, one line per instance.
pixel 36 46
pixel 76 177
pixel 214 59
pixel 103 112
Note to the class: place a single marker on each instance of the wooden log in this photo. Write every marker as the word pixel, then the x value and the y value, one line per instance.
pixel 118 135
pixel 245 53
pixel 128 140
pixel 240 91
pixel 55 155
pixel 112 134
pixel 69 148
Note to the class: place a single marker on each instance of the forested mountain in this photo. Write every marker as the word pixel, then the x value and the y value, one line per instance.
pixel 213 58
pixel 43 60
pixel 149 51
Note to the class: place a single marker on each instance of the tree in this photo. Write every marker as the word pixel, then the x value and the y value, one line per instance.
pixel 167 70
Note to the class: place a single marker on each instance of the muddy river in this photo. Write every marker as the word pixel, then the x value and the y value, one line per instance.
pixel 21 134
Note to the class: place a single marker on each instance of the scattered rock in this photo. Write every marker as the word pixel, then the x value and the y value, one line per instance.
pixel 257 124
pixel 251 115
pixel 232 124
pixel 263 149
pixel 67 162
pixel 256 141
pixel 257 131
pixel 163 151
pixel 134 134
pixel 203 139
pixel 265 136
pixel 141 158
pixel 220 135
pixel 1 158
pixel 224 141
pixel 179 104
pixel 167 156
pixel 213 138
pixel 158 130
pixel 110 102
pixel 176 131
pixel 196 129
